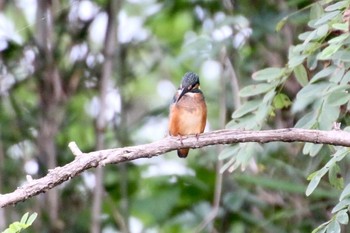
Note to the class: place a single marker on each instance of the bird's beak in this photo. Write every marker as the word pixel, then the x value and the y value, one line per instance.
pixel 183 92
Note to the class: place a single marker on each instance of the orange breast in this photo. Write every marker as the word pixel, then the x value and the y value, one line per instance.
pixel 188 116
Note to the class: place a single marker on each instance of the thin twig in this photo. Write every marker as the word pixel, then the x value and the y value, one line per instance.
pixel 59 175
pixel 75 149
pixel 101 119
pixel 228 68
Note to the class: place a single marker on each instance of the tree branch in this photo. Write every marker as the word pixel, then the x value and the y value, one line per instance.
pixel 85 161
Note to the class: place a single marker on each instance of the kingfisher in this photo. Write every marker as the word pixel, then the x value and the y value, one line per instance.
pixel 188 112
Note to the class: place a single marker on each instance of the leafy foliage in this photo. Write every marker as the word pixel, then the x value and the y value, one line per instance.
pixel 303 86
pixel 26 221
pixel 320 65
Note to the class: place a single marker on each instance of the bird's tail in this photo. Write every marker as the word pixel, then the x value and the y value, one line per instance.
pixel 182 153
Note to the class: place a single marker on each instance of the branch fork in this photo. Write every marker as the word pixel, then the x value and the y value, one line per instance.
pixel 85 161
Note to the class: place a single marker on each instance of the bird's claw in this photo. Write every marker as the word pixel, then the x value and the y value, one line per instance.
pixel 197 136
pixel 181 140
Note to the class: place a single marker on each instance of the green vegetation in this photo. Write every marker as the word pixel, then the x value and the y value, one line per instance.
pixel 268 65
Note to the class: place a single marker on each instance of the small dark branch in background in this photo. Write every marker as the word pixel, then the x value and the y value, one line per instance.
pixel 85 161
pixel 3 219
pixel 51 99
pixel 228 75
pixel 101 120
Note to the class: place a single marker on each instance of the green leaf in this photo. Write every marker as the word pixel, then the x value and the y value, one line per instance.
pixel 342 217
pixel 262 113
pixel 228 152
pixel 346 78
pixel 338 156
pixel 310 36
pixel 343 56
pixel 247 122
pixel 339 39
pixel 315 180
pixel 345 193
pixel 316 11
pixel 24 218
pixel 312 185
pixel 337 6
pixel 227 165
pixel 341 205
pixel 321 228
pixel 305 35
pixel 311 61
pixel 307 148
pixel 338 98
pixel 301 103
pixel 24 223
pixel 315 148
pixel 16 226
pixel 246 108
pixel 297 49
pixel 316 34
pixel 281 24
pixel 335 88
pixel 295 59
pixel 341 27
pixel 307 121
pixel 244 155
pixel 255 89
pixel 329 51
pixel 312 175
pixel 268 74
pixel 327 17
pixel 32 218
pixel 269 97
pixel 301 75
pixel 327 116
pixel 337 75
pixel 333 227
pixel 335 177
pixel 312 90
pixel 322 31
pixel 323 73
pixel 281 101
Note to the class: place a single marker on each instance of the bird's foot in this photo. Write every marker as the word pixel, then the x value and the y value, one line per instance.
pixel 180 137
pixel 197 136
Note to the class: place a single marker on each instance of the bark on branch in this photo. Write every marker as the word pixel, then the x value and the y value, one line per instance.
pixel 84 161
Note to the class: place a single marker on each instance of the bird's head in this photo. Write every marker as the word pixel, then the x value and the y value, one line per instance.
pixel 190 82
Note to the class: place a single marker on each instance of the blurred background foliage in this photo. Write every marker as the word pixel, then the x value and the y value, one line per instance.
pixel 53 57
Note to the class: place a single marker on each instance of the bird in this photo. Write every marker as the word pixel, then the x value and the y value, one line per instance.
pixel 188 112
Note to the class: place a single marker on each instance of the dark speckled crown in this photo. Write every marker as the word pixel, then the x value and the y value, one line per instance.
pixel 189 79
